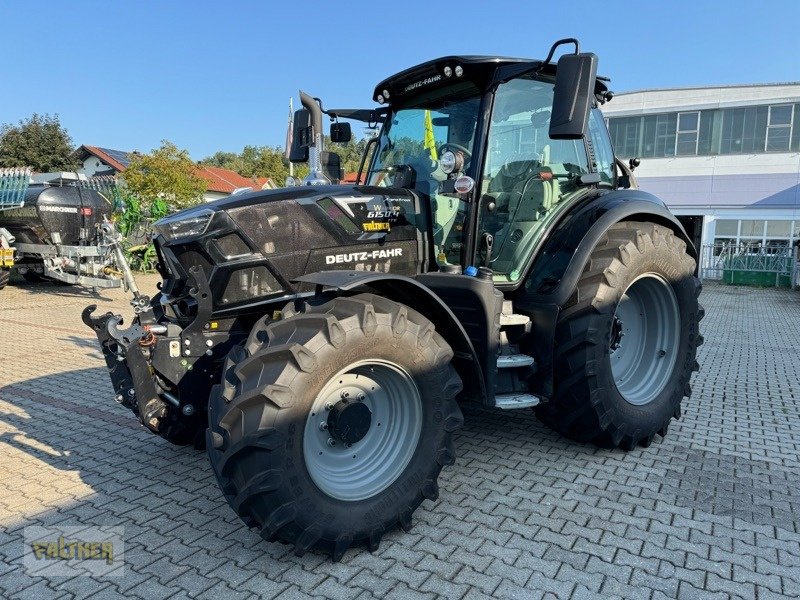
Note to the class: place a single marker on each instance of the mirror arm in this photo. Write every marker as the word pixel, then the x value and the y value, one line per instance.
pixel 561 43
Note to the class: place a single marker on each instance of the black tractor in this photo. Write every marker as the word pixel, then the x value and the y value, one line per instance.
pixel 320 338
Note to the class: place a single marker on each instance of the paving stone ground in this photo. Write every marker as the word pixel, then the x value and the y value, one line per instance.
pixel 713 511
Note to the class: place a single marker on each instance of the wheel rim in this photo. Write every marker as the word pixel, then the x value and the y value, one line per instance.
pixel 645 336
pixel 371 464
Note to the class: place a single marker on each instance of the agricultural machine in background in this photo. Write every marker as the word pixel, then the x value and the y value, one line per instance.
pixel 59 232
pixel 320 338
pixel 13 184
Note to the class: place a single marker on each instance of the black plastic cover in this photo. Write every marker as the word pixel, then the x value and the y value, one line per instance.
pixel 301 136
pixel 341 133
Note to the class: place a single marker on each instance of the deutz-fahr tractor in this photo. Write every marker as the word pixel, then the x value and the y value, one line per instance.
pixel 320 338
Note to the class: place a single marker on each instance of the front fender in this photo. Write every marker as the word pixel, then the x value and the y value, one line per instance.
pixel 425 301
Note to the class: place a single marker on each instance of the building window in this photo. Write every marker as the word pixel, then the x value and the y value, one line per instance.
pixel 625 136
pixel 752 228
pixel 755 233
pixel 744 130
pixel 779 128
pixel 740 130
pixel 727 228
pixel 664 134
pixel 779 229
pixel 688 128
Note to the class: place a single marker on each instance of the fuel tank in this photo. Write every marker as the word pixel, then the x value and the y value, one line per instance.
pixel 62 210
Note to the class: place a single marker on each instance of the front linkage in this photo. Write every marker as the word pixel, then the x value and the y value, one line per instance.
pixel 147 361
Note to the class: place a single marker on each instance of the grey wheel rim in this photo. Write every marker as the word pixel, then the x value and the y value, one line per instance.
pixel 370 465
pixel 644 339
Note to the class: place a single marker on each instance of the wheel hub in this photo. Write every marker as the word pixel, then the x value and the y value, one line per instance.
pixel 362 429
pixel 616 334
pixel 648 318
pixel 349 422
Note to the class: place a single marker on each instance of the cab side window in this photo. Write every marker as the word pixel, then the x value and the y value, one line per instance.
pixel 601 143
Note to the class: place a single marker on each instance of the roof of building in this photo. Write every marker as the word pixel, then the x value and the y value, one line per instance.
pixel 217 179
pixel 350 178
pixel 708 87
pixel 226 181
pixel 658 100
pixel 119 159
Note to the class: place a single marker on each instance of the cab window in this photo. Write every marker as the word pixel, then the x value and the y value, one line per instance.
pixel 603 153
pixel 527 176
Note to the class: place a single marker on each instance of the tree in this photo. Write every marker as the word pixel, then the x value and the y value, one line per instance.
pixel 224 160
pixel 39 142
pixel 349 154
pixel 166 173
pixel 253 161
pixel 267 161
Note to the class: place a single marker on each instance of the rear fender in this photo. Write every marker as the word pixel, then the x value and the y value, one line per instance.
pixel 559 265
pixel 563 257
pixel 422 299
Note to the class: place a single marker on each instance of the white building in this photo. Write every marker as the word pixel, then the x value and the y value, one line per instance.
pixel 725 159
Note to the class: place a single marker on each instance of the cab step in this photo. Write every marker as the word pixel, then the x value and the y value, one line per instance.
pixel 512 361
pixel 518 400
pixel 513 320
pixel 509 319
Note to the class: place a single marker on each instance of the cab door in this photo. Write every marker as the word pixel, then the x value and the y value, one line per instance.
pixel 527 179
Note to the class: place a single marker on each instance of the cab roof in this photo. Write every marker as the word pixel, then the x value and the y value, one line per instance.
pixel 481 70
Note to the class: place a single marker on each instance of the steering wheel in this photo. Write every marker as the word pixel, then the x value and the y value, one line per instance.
pixel 518 164
pixel 467 154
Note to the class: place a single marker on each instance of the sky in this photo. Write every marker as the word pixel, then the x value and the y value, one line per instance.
pixel 212 76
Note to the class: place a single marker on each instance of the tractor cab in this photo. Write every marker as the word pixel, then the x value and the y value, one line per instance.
pixel 499 148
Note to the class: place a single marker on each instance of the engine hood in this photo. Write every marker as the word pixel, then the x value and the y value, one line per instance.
pixel 308 193
pixel 254 245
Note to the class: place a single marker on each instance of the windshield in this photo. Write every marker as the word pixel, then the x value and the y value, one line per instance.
pixel 409 152
pixel 415 136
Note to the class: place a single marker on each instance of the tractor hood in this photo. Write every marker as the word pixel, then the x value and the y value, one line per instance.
pixel 251 246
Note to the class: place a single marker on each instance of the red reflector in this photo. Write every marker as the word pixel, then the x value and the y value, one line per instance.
pixel 86 211
pixel 545 176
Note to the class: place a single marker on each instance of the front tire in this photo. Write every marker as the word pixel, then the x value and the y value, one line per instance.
pixel 32 277
pixel 626 342
pixel 331 426
pixel 5 277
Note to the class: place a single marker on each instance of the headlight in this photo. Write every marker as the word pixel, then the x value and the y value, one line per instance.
pixel 184 224
pixel 447 162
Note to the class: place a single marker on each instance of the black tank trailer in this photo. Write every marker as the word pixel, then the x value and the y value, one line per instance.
pixel 62 233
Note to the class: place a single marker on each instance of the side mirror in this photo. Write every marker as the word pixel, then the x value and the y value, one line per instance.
pixel 572 96
pixel 302 136
pixel 341 133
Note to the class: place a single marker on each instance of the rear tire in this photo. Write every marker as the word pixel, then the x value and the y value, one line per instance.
pixel 620 391
pixel 267 423
pixel 5 276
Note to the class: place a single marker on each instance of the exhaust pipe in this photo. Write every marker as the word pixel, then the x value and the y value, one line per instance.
pixel 315 175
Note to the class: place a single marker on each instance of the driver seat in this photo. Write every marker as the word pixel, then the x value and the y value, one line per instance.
pixel 522 201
